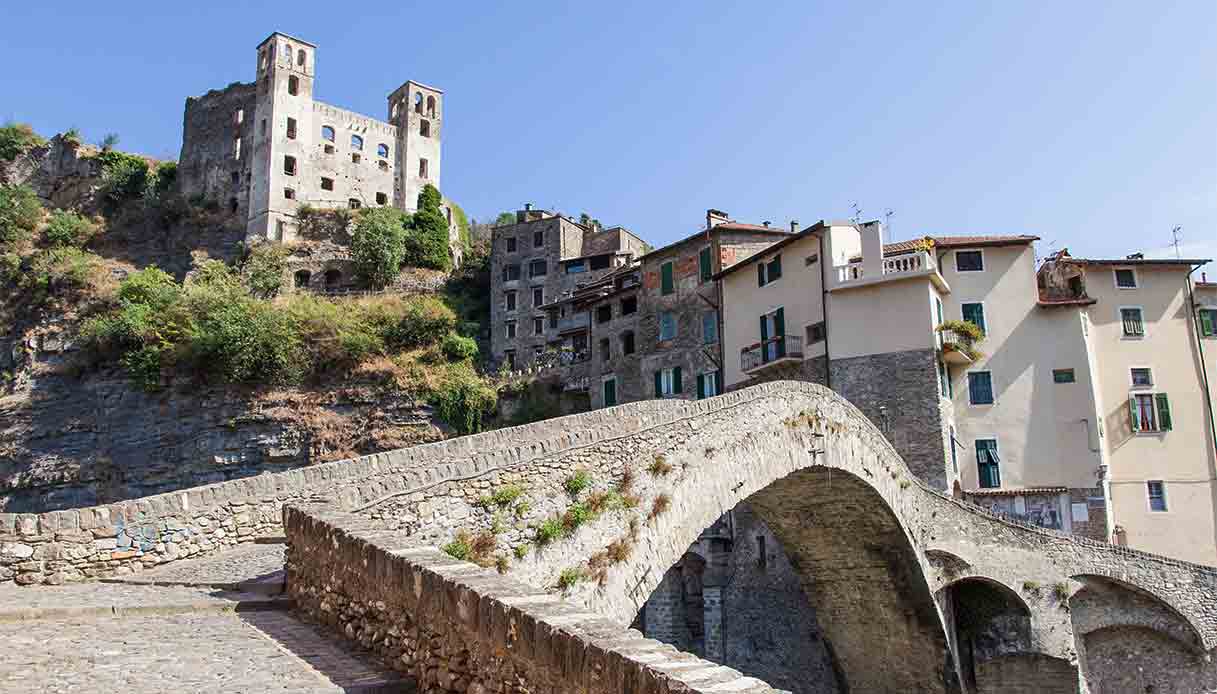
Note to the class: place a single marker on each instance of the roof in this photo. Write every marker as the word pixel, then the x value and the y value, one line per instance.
pixel 273 34
pixel 726 226
pixel 972 241
pixel 1137 261
pixel 1206 285
pixel 790 238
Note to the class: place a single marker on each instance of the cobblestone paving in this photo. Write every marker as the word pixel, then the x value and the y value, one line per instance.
pixel 16 600
pixel 242 563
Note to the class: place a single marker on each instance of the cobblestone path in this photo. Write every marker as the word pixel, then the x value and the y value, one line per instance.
pixel 170 630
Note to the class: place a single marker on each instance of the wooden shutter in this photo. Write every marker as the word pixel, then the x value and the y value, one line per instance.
pixel 1134 422
pixel 701 386
pixel 775 268
pixel 760 274
pixel 779 328
pixel 659 384
pixel 703 261
pixel 676 386
pixel 1164 411
pixel 1208 322
pixel 666 279
pixel 764 333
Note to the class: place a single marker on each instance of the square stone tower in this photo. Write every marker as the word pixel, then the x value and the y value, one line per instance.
pixel 417 111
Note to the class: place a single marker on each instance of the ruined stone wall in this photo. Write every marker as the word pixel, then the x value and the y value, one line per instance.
pixel 456 628
pixel 212 163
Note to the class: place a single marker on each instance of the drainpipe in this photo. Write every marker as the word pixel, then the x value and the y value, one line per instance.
pixel 1204 375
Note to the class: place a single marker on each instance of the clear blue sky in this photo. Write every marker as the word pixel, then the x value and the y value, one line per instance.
pixel 1093 125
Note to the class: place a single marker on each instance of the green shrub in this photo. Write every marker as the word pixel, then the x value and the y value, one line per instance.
pixel 659 466
pixel 377 246
pixel 425 321
pixel 577 482
pixel 263 269
pixel 67 268
pixel 458 348
pixel 549 530
pixel 462 225
pixel 69 229
pixel 124 176
pixel 463 401
pixel 248 341
pixel 569 577
pixel 521 550
pixel 151 287
pixel 10 267
pixel 426 238
pixel 575 516
pixel 161 180
pixel 143 365
pixel 20 212
pixel 17 139
pixel 506 496
pixel 459 548
pixel 72 137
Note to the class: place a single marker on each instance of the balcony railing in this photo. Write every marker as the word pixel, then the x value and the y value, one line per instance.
pixel 578 321
pixel 775 349
pixel 906 264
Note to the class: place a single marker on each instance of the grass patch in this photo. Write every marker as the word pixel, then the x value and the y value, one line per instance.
pixel 569 577
pixel 460 547
pixel 576 515
pixel 549 530
pixel 521 550
pixel 577 482
pixel 659 466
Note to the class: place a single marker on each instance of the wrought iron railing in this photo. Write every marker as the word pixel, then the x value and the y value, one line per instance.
pixel 773 349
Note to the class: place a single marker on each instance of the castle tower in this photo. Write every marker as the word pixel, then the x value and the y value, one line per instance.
pixel 417 111
pixel 283 136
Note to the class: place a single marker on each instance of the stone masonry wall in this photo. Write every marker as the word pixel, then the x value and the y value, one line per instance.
pixel 209 165
pixel 456 628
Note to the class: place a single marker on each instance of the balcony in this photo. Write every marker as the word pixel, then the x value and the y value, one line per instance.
pixel 958 340
pixel 574 323
pixel 576 385
pixel 775 350
pixel 912 264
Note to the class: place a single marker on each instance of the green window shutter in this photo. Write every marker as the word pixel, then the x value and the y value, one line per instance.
pixel 775 267
pixel 760 274
pixel 1164 411
pixel 1208 322
pixel 659 384
pixel 703 262
pixel 667 283
pixel 676 386
pixel 701 386
pixel 975 314
pixel 1133 420
pixel 779 322
pixel 764 332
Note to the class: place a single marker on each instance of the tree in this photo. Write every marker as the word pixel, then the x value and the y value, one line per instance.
pixel 263 269
pixel 427 234
pixel 504 219
pixel 378 244
pixel 20 212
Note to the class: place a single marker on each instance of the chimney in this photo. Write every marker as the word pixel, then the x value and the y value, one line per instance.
pixel 1135 256
pixel 766 223
pixel 794 226
pixel 528 207
pixel 716 217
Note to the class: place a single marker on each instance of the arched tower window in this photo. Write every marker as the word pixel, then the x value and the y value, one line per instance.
pixel 418 102
pixel 424 128
pixel 327 133
pixel 300 57
pixel 356 142
pixel 431 106
pixel 293 85
pixel 382 150
pixel 287 54
pixel 393 110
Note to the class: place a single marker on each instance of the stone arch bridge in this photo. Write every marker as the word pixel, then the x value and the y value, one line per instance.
pixel 576 522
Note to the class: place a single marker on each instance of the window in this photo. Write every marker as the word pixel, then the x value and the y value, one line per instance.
pixel 431 106
pixel 538 239
pixel 300 57
pixel 1149 412
pixel 289 194
pixel 606 351
pixel 1062 376
pixel 329 149
pixel 356 157
pixel 511 273
pixel 1126 278
pixel 236 149
pixel 600 262
pixel 773 329
pixel 604 314
pixel 382 199
pixel 667 382
pixel 704 268
pixel 424 128
pixel 944 382
pixel 980 387
pixel 629 305
pixel 707 385
pixel 610 391
pixel 333 278
pixel 537 268
pixel 302 278
pixel 575 267
pixel 538 296
pixel 291 128
pixel 1156 489
pixel 327 133
pixel 382 150
pixel 511 244
pixel 262 127
pixel 356 142
pixel 511 329
pixel 769 272
pixel 422 168
pixel 627 342
pixel 354 203
pixel 538 326
pixel 815 333
pixel 236 178
pixel 510 357
pixel 667 326
pixel 1142 377
pixel 987 463
pixel 1133 324
pixel 1208 322
pixel 667 279
pixel 974 313
pixel 509 301
pixel 969 261
pixel 954 456
pixel 293 85
pixel 327 184
pixel 709 327
pixel 418 102
pixel 289 166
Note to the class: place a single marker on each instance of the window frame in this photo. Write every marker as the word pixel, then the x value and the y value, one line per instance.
pixel 980 479
pixel 601 311
pixel 1115 278
pixel 984 315
pixel 633 342
pixel 1132 381
pixel 992 390
pixel 538 239
pixel 511 301
pixel 532 263
pixel 980 252
pixel 509 330
pixel 511 244
pixel 356 142
pixel 538 325
pixel 538 291
pixel 667 317
pixel 519 272
pixel 633 310
pixel 324 182
pixel 1149 496
pixel 1071 371
pixel 708 381
pixel 333 134
pixel 709 337
pixel 1212 311
pixel 667 278
pixel 1156 400
pixel 705 264
pixel 1141 316
pixel 764 270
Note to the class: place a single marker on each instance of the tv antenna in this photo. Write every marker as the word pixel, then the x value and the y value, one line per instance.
pixel 1176 237
pixel 887 224
pixel 857 218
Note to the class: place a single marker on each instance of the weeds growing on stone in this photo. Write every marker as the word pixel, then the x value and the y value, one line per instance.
pixel 569 577
pixel 1060 591
pixel 660 466
pixel 521 550
pixel 460 547
pixel 626 483
pixel 1031 587
pixel 575 516
pixel 660 506
pixel 522 509
pixel 599 502
pixel 577 482
pixel 548 531
pixel 502 563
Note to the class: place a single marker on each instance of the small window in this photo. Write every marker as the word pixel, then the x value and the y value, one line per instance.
pixel 289 194
pixel 1142 377
pixel 293 85
pixel 300 57
pixel 1126 278
pixel 511 273
pixel 987 463
pixel 382 150
pixel 354 204
pixel 974 313
pixel 629 305
pixel 289 166
pixel 944 382
pixel 1208 322
pixel 604 314
pixel 1132 323
pixel 327 184
pixel 538 296
pixel 232 205
pixel 767 272
pixel 431 106
pixel 333 278
pixel 1062 376
pixel 537 268
pixel 509 302
pixel 627 342
pixel 576 266
pixel 969 261
pixel 422 168
pixel 667 278
pixel 667 382
pixel 327 133
pixel 356 157
pixel 980 387
pixel 538 239
pixel 815 333
pixel 291 128
pixel 511 329
pixel 667 326
pixel 704 267
pixel 707 385
pixel 239 117
pixel 356 142
pixel 538 326
pixel 262 127
pixel 302 278
pixel 424 128
pixel 236 149
pixel 709 327
pixel 606 352
pixel 1156 489
pixel 382 199
pixel 511 244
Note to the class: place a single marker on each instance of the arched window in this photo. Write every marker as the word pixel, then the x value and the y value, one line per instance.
pixel 332 278
pixel 327 133
pixel 302 279
pixel 393 110
pixel 418 102
pixel 287 54
pixel 431 106
pixel 293 85
pixel 382 150
pixel 424 128
pixel 300 57
pixel 356 142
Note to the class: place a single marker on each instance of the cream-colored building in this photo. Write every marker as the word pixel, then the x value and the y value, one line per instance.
pixel 1035 421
